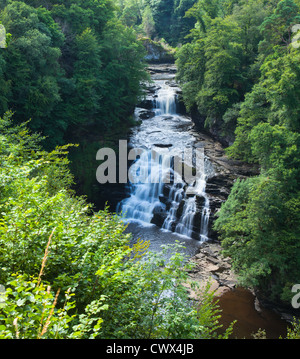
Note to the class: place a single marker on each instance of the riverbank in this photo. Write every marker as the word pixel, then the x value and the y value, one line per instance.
pixel 236 303
pixel 210 266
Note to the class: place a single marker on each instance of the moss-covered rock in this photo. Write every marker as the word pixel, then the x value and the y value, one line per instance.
pixel 158 52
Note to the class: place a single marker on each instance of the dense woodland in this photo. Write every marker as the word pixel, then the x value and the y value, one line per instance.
pixel 68 65
pixel 71 67
pixel 242 74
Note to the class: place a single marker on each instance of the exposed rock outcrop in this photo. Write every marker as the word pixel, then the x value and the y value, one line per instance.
pixel 226 172
pixel 157 52
pixel 210 266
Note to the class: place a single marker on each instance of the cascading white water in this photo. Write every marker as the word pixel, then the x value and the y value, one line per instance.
pixel 205 221
pixel 185 225
pixel 144 200
pixel 165 102
pixel 144 196
pixel 175 197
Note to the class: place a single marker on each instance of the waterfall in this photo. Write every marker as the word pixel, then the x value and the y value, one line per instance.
pixel 165 102
pixel 185 225
pixel 144 197
pixel 175 197
pixel 154 166
pixel 205 221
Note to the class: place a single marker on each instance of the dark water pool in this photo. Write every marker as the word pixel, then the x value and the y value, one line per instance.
pixel 239 305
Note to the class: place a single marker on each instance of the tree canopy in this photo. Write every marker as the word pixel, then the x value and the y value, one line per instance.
pixel 70 63
pixel 240 71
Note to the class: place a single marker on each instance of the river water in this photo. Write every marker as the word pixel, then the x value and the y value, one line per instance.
pixel 162 176
pixel 164 134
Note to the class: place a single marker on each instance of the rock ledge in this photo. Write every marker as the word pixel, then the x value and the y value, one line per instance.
pixel 210 266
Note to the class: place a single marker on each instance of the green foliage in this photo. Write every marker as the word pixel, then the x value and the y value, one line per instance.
pixel 56 70
pixel 72 273
pixel 73 65
pixel 126 71
pixel 148 24
pixel 159 19
pixel 294 332
pixel 277 27
pixel 191 70
pixel 29 311
pixel 241 73
pixel 229 45
pixel 221 52
pixel 259 226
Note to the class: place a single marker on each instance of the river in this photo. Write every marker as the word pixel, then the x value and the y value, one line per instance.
pixel 175 210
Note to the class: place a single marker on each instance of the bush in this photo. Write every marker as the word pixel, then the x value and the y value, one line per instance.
pixel 53 243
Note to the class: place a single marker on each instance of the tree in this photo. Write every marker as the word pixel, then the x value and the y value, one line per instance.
pixel 4 84
pixel 259 225
pixel 54 70
pixel 253 111
pixel 274 99
pixel 281 79
pixel 190 60
pixel 148 23
pixel 123 71
pixel 162 15
pixel 131 12
pixel 277 28
pixel 227 71
pixel 87 79
pixel 241 74
pixel 181 24
pixel 223 80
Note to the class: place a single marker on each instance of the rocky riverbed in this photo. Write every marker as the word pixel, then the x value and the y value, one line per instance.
pixel 210 266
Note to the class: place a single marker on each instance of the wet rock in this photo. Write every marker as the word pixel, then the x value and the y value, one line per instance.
pixel 158 219
pixel 162 145
pixel 162 68
pixel 159 215
pixel 144 115
pixel 212 260
pixel 166 190
pixel 229 283
pixel 200 256
pixel 197 222
pixel 211 267
pixel 146 104
pixel 172 83
pixel 152 89
pixel 180 210
pixel 152 132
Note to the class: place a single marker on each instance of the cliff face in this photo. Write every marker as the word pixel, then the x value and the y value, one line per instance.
pixel 157 53
pixel 227 171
